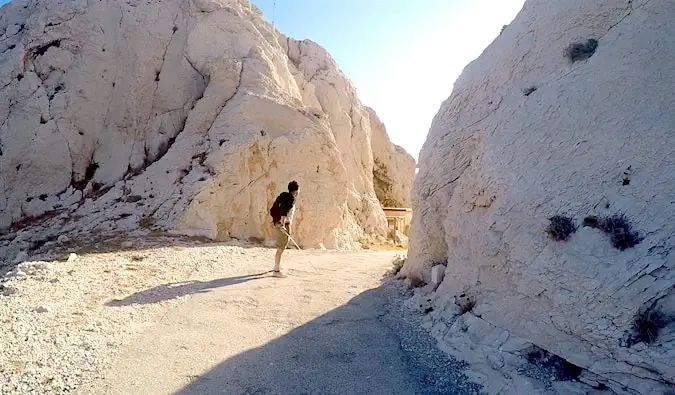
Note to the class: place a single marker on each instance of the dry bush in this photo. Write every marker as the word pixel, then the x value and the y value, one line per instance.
pixel 581 51
pixel 618 228
pixel 465 303
pixel 560 228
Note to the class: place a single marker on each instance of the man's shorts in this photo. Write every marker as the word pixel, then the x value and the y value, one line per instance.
pixel 282 238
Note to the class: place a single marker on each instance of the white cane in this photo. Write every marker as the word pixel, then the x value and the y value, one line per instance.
pixel 289 237
pixel 297 246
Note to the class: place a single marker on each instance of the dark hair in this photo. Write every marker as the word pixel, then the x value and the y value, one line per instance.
pixel 293 186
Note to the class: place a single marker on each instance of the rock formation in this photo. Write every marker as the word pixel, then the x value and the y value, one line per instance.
pixel 547 185
pixel 188 116
pixel 394 168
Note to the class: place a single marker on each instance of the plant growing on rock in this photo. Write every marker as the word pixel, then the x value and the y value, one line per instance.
pixel 560 228
pixel 581 51
pixel 465 303
pixel 618 228
pixel 146 222
pixel 530 90
pixel 647 325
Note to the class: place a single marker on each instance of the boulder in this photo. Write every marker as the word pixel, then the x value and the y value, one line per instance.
pixel 546 183
pixel 437 274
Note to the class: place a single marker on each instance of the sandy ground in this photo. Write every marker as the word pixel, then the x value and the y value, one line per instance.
pixel 206 319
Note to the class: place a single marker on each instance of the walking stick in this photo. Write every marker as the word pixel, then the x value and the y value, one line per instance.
pixel 297 246
pixel 290 238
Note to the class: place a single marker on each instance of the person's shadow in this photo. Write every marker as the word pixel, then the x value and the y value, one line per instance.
pixel 170 291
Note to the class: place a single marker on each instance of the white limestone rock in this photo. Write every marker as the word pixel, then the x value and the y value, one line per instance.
pixel 437 274
pixel 394 168
pixel 526 135
pixel 187 116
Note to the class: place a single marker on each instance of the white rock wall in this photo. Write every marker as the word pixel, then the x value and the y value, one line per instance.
pixel 526 135
pixel 188 116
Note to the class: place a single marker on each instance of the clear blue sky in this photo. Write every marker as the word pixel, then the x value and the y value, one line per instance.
pixel 403 56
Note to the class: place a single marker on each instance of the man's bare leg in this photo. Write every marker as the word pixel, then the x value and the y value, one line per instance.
pixel 282 244
pixel 277 259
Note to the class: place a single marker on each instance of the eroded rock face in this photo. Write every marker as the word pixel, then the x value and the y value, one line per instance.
pixel 394 168
pixel 533 130
pixel 182 115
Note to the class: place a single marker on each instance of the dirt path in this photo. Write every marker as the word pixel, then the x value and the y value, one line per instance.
pixel 211 320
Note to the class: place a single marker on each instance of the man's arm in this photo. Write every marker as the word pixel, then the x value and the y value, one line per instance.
pixel 291 212
pixel 289 220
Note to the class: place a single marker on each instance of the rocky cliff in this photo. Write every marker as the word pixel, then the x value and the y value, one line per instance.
pixel 188 116
pixel 547 185
pixel 394 168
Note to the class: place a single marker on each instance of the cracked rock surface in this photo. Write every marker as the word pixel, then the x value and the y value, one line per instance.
pixel 528 134
pixel 184 115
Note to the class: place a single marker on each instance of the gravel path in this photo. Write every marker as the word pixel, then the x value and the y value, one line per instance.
pixel 199 319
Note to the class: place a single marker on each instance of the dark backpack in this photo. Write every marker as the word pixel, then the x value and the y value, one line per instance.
pixel 282 205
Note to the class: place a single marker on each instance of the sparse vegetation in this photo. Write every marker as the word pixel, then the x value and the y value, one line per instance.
pixel 146 222
pixel 530 90
pixel 647 325
pixel 465 303
pixel 560 228
pixel 581 51
pixel 380 244
pixel 397 263
pixel 618 228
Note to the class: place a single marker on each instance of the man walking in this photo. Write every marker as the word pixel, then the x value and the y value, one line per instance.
pixel 282 217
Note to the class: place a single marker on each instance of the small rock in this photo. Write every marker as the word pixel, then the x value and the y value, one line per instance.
pixel 437 274
pixel 19 274
pixel 42 309
pixel 7 290
pixel 72 257
pixel 127 244
pixel 36 268
pixel 63 239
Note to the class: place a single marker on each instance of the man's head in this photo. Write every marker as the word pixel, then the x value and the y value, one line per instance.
pixel 293 188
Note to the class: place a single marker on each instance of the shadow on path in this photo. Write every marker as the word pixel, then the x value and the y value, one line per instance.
pixel 170 291
pixel 366 346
